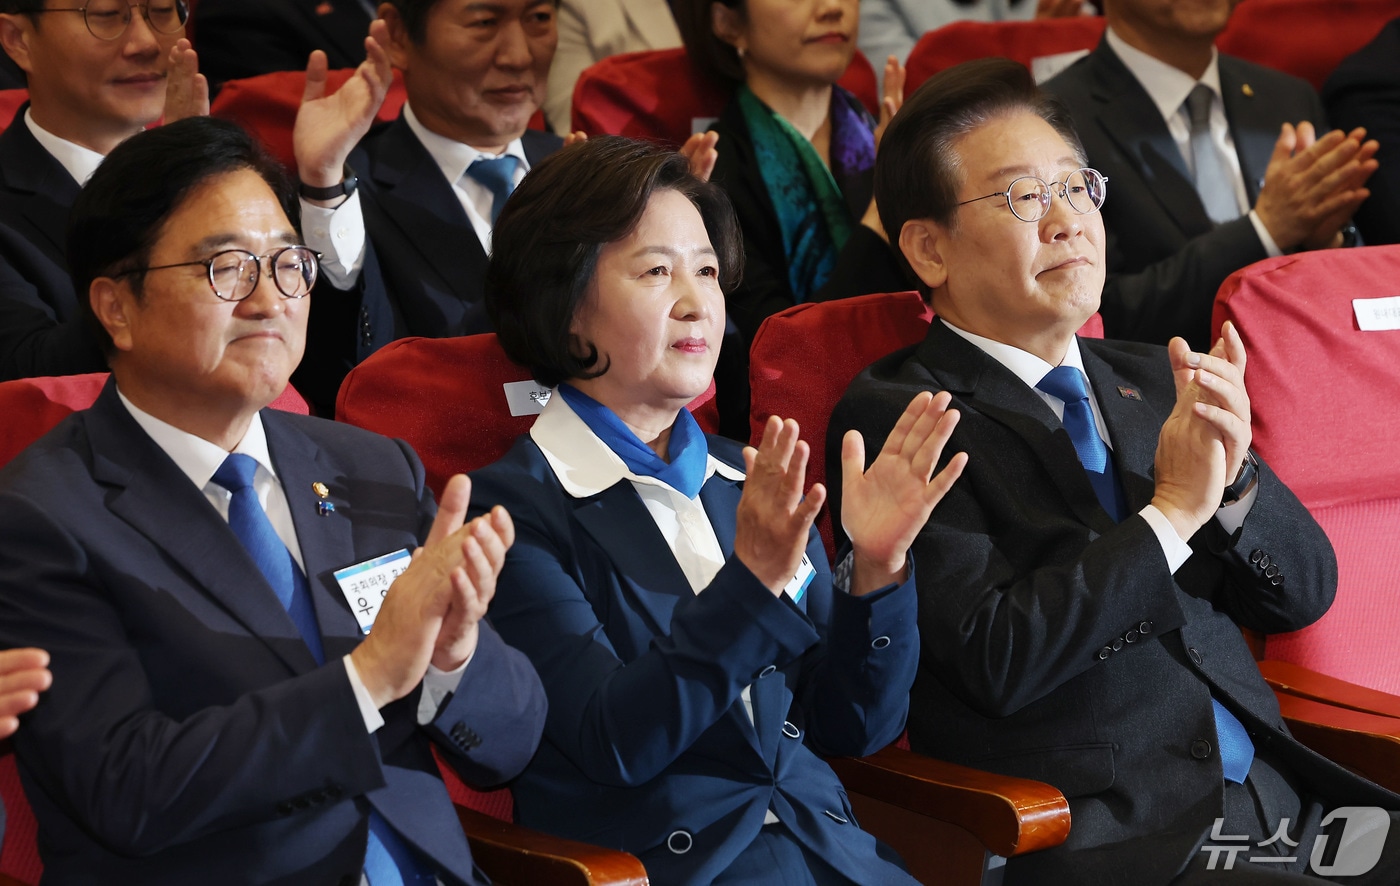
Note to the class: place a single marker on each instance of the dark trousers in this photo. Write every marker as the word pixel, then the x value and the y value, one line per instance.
pixel 1254 810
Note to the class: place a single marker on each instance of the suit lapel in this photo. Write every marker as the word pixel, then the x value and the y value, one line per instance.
pixel 1253 126
pixel 40 185
pixel 153 496
pixel 994 391
pixel 326 541
pixel 424 206
pixel 1133 427
pixel 1128 116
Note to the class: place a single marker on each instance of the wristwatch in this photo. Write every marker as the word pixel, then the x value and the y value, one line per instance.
pixel 344 188
pixel 1244 481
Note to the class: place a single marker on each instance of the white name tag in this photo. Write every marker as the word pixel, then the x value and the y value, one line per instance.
pixel 365 584
pixel 1374 314
pixel 800 582
pixel 526 397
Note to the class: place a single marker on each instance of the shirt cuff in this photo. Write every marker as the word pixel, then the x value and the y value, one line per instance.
pixel 1231 516
pixel 339 235
pixel 1174 547
pixel 368 711
pixel 1270 247
pixel 437 686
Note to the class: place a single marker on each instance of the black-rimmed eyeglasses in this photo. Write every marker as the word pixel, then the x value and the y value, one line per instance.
pixel 1029 197
pixel 109 19
pixel 234 273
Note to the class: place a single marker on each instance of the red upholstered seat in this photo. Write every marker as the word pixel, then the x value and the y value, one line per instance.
pixel 803 359
pixel 445 397
pixel 20 856
pixel 1022 41
pixel 1325 398
pixel 1305 38
pixel 11 100
pixel 659 95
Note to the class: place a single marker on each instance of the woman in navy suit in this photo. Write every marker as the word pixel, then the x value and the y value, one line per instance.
pixel 695 648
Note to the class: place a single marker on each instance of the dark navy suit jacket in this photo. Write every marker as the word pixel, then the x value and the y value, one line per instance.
pixel 41 332
pixel 189 735
pixel 647 745
pixel 244 38
pixel 424 266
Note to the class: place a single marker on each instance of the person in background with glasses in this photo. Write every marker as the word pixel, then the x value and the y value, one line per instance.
pixel 1082 587
pixel 99 72
pixel 220 711
pixel 1217 163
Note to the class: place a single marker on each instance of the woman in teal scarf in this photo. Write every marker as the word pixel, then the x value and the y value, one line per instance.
pixel 796 157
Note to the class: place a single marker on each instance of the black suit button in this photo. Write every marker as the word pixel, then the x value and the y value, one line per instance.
pixel 1195 655
pixel 1105 652
pixel 1117 644
pixel 1131 636
pixel 1145 628
pixel 285 808
pixel 1271 571
pixel 1276 580
pixel 1255 555
pixel 1200 749
pixel 1264 562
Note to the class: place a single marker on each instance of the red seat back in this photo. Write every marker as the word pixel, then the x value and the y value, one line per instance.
pixel 20 856
pixel 662 96
pixel 11 100
pixel 447 398
pixel 1305 38
pixel 803 359
pixel 32 406
pixel 1032 43
pixel 1325 401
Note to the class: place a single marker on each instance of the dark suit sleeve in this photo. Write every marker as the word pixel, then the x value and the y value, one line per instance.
pixel 1365 91
pixel 33 341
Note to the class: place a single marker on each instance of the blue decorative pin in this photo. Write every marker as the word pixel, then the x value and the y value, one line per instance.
pixel 323 507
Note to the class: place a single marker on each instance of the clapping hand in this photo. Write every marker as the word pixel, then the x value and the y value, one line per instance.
pixel 329 126
pixel 773 517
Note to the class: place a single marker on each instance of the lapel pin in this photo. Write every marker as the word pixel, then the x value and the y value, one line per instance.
pixel 1129 393
pixel 324 9
pixel 324 507
pixel 1247 90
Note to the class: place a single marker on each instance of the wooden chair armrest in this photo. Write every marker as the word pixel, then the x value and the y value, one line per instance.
pixel 518 856
pixel 1365 743
pixel 1009 816
pixel 1297 680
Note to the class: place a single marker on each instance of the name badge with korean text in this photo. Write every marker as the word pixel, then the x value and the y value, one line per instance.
pixel 365 584
pixel 802 580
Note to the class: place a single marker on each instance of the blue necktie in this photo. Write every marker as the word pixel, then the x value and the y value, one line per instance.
pixel 1236 750
pixel 388 860
pixel 1067 383
pixel 497 174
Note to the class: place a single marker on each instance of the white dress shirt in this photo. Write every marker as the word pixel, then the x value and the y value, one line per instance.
pixel 1031 369
pixel 1168 88
pixel 586 466
pixel 339 233
pixel 199 459
pixel 80 162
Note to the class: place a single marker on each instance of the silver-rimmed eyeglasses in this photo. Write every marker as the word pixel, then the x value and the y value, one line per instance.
pixel 109 19
pixel 1029 197
pixel 234 273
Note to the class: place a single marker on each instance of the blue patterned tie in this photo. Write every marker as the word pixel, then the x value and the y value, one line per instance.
pixel 388 860
pixel 497 174
pixel 1236 750
pixel 1067 383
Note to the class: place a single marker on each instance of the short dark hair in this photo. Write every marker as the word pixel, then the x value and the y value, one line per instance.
pixel 713 57
pixel 120 212
pixel 917 174
pixel 545 245
pixel 20 7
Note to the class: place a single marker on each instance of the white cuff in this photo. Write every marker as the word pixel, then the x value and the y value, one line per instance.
pixel 1270 247
pixel 437 685
pixel 373 720
pixel 339 235
pixel 1174 547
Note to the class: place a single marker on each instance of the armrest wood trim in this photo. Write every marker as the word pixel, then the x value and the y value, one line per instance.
pixel 512 854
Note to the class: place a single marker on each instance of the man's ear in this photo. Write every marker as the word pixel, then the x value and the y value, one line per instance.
pixel 921 240
pixel 727 25
pixel 399 42
pixel 111 302
pixel 15 31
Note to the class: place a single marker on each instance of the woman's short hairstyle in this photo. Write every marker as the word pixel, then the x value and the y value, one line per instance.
pixel 715 58
pixel 545 245
pixel 119 214
pixel 917 169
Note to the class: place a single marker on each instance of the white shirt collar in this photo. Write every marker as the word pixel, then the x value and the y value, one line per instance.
pixel 80 162
pixel 453 157
pixel 1023 364
pixel 196 457
pixel 583 462
pixel 1167 86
